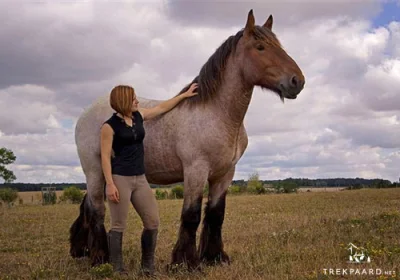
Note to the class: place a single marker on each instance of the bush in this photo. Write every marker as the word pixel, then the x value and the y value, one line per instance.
pixel 286 187
pixel 49 198
pixel 8 195
pixel 161 194
pixel 254 184
pixel 256 189
pixel 177 192
pixel 72 194
pixel 234 189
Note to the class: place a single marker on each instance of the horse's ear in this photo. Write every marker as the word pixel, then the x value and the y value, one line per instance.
pixel 250 23
pixel 269 22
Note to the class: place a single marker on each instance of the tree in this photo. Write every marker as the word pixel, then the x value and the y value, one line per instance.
pixel 6 157
pixel 254 185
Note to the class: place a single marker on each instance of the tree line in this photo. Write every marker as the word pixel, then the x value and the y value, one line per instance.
pixel 327 183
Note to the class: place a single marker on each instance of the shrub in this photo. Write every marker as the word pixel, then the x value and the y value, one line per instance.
pixel 8 196
pixel 254 184
pixel 161 194
pixel 256 189
pixel 49 198
pixel 177 192
pixel 286 187
pixel 234 189
pixel 72 194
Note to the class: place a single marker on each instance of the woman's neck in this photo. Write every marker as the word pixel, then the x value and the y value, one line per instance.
pixel 125 117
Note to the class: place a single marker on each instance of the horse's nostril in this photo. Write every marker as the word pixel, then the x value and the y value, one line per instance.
pixel 294 81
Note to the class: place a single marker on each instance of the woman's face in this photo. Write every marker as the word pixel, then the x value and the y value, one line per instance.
pixel 135 104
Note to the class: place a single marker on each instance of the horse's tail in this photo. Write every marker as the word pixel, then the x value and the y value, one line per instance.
pixel 79 233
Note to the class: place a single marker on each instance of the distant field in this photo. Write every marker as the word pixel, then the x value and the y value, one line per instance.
pixel 36 197
pixel 322 189
pixel 282 236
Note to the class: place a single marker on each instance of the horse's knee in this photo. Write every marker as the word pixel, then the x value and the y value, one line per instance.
pixel 215 212
pixel 191 215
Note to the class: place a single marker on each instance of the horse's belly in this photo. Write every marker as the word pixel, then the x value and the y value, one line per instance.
pixel 162 165
pixel 161 170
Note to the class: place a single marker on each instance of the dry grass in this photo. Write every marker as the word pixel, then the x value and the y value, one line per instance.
pixel 280 237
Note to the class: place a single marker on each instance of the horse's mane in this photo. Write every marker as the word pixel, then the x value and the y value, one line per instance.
pixel 210 77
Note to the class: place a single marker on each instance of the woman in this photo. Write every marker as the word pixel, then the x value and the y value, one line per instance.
pixel 122 157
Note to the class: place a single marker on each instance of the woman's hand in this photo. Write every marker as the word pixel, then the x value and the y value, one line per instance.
pixel 190 92
pixel 112 193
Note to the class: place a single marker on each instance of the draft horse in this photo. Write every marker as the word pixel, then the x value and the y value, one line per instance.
pixel 198 142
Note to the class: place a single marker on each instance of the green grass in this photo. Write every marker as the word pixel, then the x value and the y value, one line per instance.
pixel 281 236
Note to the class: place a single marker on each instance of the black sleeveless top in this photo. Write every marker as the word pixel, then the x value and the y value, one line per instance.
pixel 127 145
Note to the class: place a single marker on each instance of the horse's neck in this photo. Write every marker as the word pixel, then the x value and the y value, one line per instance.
pixel 233 97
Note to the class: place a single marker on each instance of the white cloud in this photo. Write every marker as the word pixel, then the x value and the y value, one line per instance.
pixel 343 124
pixel 27 109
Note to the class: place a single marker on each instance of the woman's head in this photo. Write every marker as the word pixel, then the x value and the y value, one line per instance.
pixel 123 100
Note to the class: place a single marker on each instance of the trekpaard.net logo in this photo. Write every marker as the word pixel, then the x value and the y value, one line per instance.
pixel 358 255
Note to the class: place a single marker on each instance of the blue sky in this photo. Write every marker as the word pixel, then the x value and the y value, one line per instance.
pixel 390 12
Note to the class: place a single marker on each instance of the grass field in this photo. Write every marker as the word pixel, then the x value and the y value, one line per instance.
pixel 36 197
pixel 278 236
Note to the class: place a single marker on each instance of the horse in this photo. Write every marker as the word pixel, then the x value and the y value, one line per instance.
pixel 198 142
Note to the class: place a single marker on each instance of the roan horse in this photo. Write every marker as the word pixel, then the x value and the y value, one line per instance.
pixel 199 141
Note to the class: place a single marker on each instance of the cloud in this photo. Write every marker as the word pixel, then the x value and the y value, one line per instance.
pixel 70 42
pixel 226 13
pixel 60 57
pixel 27 109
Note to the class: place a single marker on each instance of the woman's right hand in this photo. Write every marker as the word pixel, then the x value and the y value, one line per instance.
pixel 112 193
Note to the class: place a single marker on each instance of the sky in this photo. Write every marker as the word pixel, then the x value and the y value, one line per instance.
pixel 57 57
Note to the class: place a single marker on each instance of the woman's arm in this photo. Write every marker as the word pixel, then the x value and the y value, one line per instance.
pixel 149 113
pixel 106 148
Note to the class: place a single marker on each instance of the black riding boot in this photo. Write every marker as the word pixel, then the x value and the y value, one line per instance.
pixel 149 240
pixel 115 247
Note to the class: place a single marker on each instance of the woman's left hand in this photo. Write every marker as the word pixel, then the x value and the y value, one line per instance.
pixel 190 92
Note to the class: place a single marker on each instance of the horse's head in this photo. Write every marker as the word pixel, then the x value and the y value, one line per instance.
pixel 265 63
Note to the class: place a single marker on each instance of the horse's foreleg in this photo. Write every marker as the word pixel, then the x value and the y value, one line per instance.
pixel 211 249
pixel 185 247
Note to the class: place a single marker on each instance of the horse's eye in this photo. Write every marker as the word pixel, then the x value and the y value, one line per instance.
pixel 260 47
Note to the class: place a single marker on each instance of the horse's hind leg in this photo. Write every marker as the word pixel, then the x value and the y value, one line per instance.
pixel 91 222
pixel 79 233
pixel 95 212
pixel 211 249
